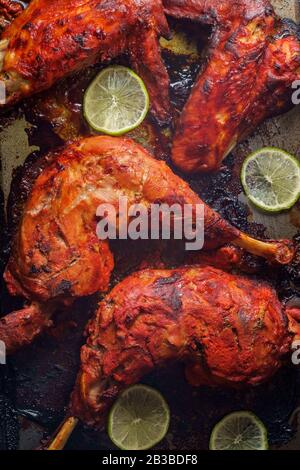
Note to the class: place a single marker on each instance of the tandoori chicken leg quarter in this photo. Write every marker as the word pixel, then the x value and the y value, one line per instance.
pixel 55 38
pixel 57 256
pixel 228 329
pixel 57 252
pixel 253 61
pixel 9 10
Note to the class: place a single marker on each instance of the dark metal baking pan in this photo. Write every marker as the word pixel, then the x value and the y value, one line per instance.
pixel 36 383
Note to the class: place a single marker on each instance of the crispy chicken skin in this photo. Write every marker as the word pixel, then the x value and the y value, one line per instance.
pixel 253 61
pixel 20 328
pixel 228 329
pixel 55 38
pixel 57 252
pixel 8 11
pixel 57 256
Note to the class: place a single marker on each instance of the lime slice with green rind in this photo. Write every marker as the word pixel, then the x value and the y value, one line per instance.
pixel 271 179
pixel 241 430
pixel 116 101
pixel 139 419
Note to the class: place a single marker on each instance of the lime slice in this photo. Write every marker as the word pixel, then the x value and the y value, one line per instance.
pixel 116 101
pixel 271 179
pixel 241 430
pixel 139 419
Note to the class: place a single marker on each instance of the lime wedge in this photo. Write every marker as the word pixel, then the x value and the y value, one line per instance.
pixel 241 430
pixel 271 179
pixel 116 101
pixel 139 419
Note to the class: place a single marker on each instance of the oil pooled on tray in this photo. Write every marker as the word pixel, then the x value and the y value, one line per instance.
pixel 44 374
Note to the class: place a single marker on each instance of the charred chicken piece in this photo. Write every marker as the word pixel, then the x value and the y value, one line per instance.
pixel 53 39
pixel 8 11
pixel 228 330
pixel 57 256
pixel 253 61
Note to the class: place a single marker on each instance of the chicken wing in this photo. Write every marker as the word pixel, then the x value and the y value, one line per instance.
pixel 229 330
pixel 57 256
pixel 52 39
pixel 254 60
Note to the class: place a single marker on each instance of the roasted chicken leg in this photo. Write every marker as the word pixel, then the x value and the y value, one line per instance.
pixel 228 330
pixel 52 39
pixel 57 256
pixel 253 61
pixel 9 10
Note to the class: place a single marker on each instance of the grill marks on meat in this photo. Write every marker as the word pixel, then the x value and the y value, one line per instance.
pixel 230 330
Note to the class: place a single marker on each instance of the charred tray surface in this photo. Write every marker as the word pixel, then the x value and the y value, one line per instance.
pixel 36 384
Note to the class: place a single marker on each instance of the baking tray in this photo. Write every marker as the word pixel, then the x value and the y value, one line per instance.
pixel 36 383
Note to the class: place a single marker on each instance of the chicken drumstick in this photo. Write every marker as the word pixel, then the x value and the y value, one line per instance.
pixel 57 256
pixel 52 39
pixel 229 330
pixel 253 61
